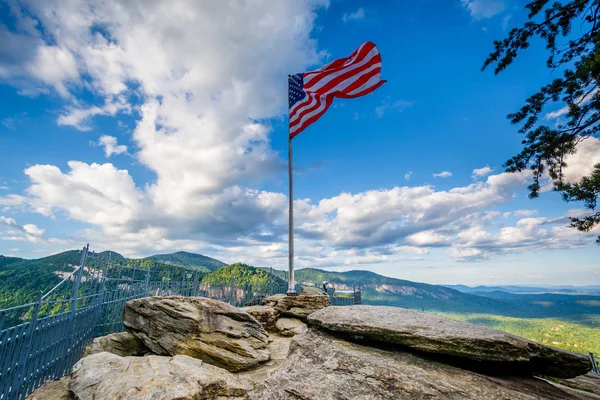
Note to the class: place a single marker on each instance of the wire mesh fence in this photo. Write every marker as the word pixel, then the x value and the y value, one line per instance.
pixel 42 340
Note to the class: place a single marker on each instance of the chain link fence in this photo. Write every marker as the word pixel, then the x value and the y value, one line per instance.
pixel 42 340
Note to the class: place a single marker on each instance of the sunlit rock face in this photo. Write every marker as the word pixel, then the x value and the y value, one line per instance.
pixel 209 330
pixel 453 341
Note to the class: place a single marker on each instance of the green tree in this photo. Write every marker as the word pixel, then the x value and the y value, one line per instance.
pixel 571 30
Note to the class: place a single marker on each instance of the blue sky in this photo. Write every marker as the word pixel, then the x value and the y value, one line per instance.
pixel 146 128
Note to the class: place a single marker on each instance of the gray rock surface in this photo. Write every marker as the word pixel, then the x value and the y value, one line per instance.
pixel 209 330
pixel 122 344
pixel 52 390
pixel 300 306
pixel 106 376
pixel 589 382
pixel 267 316
pixel 290 326
pixel 311 290
pixel 322 367
pixel 484 348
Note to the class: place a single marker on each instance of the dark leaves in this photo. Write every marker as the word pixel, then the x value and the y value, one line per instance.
pixel 571 33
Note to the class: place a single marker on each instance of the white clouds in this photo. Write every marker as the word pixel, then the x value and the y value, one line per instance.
pixel 529 234
pixel 33 230
pixel 387 104
pixel 199 100
pixel 54 66
pixel 111 145
pixel 10 230
pixel 482 9
pixel 198 106
pixel 408 175
pixel 481 172
pixel 354 16
pixel 582 162
pixel 79 117
pixel 519 213
pixel 564 110
pixel 443 174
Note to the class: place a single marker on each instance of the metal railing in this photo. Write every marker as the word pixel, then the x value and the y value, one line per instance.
pixel 595 364
pixel 42 340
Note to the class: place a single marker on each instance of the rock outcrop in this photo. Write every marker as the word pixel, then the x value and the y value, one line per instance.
pixel 322 367
pixel 52 390
pixel 300 306
pixel 122 344
pixel 290 326
pixel 469 345
pixel 209 330
pixel 353 352
pixel 589 382
pixel 267 316
pixel 106 376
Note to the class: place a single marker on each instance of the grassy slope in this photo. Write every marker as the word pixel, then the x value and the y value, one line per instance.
pixel 556 332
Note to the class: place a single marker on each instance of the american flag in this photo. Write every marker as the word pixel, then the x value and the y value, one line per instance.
pixel 311 93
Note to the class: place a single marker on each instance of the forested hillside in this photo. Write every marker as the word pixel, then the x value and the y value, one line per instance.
pixel 21 280
pixel 189 260
pixel 243 275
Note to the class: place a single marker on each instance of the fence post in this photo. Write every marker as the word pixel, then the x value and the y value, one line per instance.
pixel 595 366
pixel 25 357
pixel 74 295
pixel 102 294
pixel 271 281
pixel 196 284
pixel 231 293
pixel 147 282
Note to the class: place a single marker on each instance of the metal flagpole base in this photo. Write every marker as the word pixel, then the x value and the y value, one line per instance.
pixel 292 293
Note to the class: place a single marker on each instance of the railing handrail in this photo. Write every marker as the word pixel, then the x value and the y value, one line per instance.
pixel 67 278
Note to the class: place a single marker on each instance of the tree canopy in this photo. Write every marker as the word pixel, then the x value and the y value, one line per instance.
pixel 571 31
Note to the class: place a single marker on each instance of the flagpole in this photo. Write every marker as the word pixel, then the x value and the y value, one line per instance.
pixel 291 286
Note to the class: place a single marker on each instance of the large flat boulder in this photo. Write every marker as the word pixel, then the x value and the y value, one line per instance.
pixel 290 326
pixel 122 344
pixel 106 376
pixel 476 346
pixel 267 316
pixel 300 306
pixel 209 330
pixel 323 367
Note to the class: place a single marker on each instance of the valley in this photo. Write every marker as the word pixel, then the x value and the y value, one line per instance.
pixel 566 321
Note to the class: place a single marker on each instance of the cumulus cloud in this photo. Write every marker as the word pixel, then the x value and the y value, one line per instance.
pixel 483 9
pixel 200 107
pixel 582 162
pixel 111 145
pixel 10 230
pixel 354 16
pixel 443 174
pixel 481 172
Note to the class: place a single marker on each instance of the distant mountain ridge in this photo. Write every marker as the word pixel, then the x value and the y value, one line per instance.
pixel 189 260
pixel 21 280
pixel 382 290
pixel 518 289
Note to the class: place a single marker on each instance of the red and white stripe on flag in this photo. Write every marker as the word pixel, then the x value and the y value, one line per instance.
pixel 311 93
